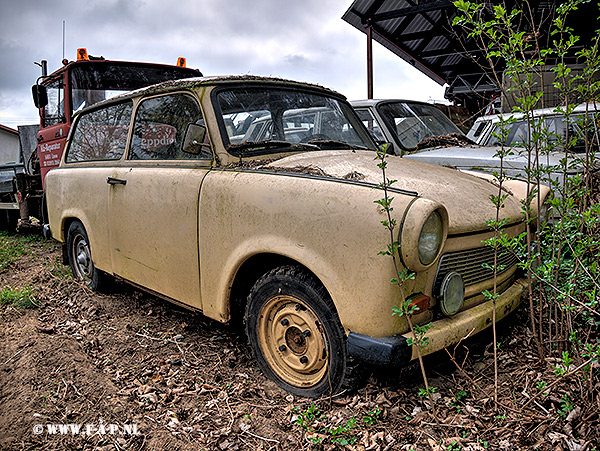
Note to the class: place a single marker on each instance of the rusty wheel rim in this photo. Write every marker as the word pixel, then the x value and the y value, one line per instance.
pixel 293 341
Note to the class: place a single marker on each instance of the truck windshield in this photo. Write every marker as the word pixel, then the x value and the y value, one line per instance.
pixel 260 121
pixel 99 80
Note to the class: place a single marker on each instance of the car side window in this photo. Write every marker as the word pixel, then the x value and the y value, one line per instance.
pixel 371 123
pixel 160 126
pixel 101 134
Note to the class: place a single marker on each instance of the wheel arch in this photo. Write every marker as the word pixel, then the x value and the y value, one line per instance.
pixel 249 272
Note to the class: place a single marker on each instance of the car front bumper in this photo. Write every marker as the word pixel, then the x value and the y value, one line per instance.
pixel 395 351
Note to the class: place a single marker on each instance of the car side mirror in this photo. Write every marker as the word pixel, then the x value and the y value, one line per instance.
pixel 40 96
pixel 194 137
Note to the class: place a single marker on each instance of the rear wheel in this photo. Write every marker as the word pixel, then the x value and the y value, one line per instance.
pixel 80 257
pixel 295 333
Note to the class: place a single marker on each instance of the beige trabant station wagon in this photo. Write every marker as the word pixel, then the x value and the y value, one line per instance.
pixel 166 189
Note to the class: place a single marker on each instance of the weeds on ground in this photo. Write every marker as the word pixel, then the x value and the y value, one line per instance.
pixel 13 247
pixel 320 430
pixel 18 297
pixel 57 269
pixel 561 256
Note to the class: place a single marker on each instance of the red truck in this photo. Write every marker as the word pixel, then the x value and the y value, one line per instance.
pixel 76 85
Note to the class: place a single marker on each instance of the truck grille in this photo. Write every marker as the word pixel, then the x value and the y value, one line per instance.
pixel 469 264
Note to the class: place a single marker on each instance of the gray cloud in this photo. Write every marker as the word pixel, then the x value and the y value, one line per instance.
pixel 303 40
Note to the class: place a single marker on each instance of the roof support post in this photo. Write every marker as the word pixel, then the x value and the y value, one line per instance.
pixel 369 62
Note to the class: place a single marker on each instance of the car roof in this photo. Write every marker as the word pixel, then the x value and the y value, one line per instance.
pixel 581 108
pixel 172 85
pixel 373 102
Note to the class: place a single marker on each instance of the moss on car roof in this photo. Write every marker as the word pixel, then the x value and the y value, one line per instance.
pixel 191 83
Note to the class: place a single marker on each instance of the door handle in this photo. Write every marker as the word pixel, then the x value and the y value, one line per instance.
pixel 114 181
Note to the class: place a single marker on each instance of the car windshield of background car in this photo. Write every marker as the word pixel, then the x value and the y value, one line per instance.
pixel 413 122
pixel 555 128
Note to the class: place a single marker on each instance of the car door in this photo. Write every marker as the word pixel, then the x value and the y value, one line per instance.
pixel 78 190
pixel 153 200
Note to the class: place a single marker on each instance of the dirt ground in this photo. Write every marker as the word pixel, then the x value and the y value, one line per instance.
pixel 134 372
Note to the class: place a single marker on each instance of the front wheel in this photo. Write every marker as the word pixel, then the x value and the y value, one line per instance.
pixel 295 333
pixel 80 257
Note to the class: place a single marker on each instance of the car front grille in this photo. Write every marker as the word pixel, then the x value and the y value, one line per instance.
pixel 469 264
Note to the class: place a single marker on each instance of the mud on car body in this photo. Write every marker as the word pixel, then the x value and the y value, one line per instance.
pixel 165 188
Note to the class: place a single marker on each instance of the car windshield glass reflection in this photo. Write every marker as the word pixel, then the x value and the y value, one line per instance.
pixel 262 121
pixel 413 122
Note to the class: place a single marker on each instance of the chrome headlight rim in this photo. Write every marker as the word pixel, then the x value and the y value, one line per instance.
pixel 410 233
pixel 452 293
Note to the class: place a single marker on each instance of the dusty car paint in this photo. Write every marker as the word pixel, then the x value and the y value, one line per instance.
pixel 197 231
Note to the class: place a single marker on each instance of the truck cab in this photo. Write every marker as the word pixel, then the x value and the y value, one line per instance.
pixel 58 96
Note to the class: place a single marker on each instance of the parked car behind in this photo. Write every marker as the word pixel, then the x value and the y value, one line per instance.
pixel 485 130
pixel 420 131
pixel 157 188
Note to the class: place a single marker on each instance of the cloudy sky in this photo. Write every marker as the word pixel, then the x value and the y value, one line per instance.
pixel 304 40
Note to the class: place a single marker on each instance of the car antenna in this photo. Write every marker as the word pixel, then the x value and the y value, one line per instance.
pixel 63 38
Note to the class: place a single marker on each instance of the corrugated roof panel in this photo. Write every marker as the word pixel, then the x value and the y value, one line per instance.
pixel 361 6
pixel 434 16
pixel 414 44
pixel 418 24
pixel 391 25
pixel 392 5
pixel 452 60
pixel 437 43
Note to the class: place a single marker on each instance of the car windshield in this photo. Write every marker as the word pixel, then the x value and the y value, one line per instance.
pixel 268 120
pixel 413 122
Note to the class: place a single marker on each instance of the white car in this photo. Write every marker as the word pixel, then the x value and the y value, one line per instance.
pixel 485 129
pixel 420 131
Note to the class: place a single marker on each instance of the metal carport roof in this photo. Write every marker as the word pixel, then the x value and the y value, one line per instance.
pixel 420 32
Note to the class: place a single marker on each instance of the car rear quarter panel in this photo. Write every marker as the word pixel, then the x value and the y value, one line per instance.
pixel 80 193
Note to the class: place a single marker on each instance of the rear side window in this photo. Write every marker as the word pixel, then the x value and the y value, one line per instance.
pixel 371 123
pixel 480 128
pixel 160 126
pixel 101 134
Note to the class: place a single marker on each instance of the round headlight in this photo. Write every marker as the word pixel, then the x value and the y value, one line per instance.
pixel 452 293
pixel 431 237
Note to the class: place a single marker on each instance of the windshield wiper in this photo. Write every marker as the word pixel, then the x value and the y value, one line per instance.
pixel 321 143
pixel 271 144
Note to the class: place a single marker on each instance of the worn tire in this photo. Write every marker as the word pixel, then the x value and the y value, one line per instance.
pixel 296 335
pixel 80 257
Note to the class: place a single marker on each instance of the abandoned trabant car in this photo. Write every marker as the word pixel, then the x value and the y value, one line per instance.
pixel 281 232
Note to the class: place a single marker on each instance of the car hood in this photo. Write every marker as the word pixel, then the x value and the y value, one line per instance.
pixel 467 198
pixel 485 158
